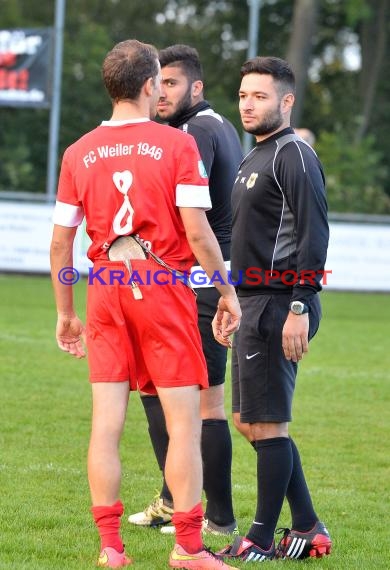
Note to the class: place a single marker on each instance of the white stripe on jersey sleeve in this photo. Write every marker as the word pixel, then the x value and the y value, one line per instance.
pixel 190 196
pixel 67 215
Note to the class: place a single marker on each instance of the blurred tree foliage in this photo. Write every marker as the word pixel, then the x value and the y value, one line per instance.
pixel 354 174
pixel 346 107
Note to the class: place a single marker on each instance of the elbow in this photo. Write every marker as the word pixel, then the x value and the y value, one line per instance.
pixel 57 246
pixel 195 238
pixel 60 249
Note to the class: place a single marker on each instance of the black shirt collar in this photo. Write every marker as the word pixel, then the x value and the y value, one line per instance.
pixel 189 113
pixel 272 138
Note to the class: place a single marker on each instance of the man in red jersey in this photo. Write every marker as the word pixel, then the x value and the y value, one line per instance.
pixel 133 177
pixel 182 104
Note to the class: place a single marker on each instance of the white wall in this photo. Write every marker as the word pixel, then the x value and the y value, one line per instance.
pixel 359 256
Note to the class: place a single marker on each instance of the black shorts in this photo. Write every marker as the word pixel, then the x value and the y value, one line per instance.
pixel 263 381
pixel 215 353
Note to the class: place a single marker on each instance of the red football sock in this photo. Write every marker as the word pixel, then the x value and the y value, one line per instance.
pixel 188 529
pixel 107 519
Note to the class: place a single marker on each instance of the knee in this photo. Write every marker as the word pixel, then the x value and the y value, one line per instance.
pixel 241 427
pixel 184 429
pixel 212 403
pixel 108 433
pixel 259 431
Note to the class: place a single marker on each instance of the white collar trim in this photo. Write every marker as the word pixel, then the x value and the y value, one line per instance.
pixel 125 122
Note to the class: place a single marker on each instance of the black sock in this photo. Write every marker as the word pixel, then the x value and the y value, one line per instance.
pixel 303 514
pixel 158 436
pixel 217 463
pixel 274 466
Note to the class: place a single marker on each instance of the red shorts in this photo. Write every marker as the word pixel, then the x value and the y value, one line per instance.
pixel 150 342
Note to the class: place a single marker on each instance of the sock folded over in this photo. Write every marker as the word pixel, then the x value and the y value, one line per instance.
pixel 188 527
pixel 107 520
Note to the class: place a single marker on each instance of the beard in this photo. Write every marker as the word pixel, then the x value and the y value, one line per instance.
pixel 183 105
pixel 268 125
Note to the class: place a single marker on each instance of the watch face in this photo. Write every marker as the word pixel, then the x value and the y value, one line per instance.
pixel 297 307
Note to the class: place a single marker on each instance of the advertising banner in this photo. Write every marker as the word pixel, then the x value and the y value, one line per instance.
pixel 25 56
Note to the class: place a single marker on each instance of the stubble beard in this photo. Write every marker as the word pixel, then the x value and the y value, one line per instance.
pixel 183 105
pixel 269 124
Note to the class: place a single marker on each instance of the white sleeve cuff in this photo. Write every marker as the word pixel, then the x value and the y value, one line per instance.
pixel 67 215
pixel 190 196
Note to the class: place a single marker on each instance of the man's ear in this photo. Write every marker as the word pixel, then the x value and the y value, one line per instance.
pixel 196 88
pixel 288 102
pixel 149 86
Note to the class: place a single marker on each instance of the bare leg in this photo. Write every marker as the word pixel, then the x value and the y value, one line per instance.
pixel 110 401
pixel 212 405
pixel 243 428
pixel 183 467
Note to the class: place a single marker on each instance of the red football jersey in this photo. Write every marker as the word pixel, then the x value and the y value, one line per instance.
pixel 131 177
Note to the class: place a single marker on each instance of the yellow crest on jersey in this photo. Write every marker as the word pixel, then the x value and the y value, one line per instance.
pixel 252 180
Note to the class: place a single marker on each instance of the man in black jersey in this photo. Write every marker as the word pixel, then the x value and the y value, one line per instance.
pixel 183 106
pixel 279 245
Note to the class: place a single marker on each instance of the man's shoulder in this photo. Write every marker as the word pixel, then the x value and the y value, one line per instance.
pixel 291 146
pixel 151 130
pixel 83 142
pixel 210 123
pixel 210 114
pixel 208 118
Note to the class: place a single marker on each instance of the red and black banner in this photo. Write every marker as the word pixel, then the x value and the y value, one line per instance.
pixel 25 57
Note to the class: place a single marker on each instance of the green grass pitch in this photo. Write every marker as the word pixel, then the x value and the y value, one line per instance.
pixel 341 425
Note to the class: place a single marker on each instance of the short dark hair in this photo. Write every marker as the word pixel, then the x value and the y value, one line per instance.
pixel 126 68
pixel 185 57
pixel 278 68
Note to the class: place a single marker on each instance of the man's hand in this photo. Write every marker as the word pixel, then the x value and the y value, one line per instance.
pixel 70 335
pixel 295 335
pixel 227 319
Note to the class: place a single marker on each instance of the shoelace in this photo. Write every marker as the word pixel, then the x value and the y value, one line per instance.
pixel 153 505
pixel 217 558
pixel 285 531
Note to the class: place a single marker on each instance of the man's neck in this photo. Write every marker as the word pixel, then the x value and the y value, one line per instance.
pixel 261 138
pixel 127 110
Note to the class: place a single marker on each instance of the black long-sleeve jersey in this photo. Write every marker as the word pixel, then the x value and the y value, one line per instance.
pixel 280 229
pixel 220 149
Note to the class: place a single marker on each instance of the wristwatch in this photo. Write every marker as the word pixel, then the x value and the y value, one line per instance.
pixel 298 308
